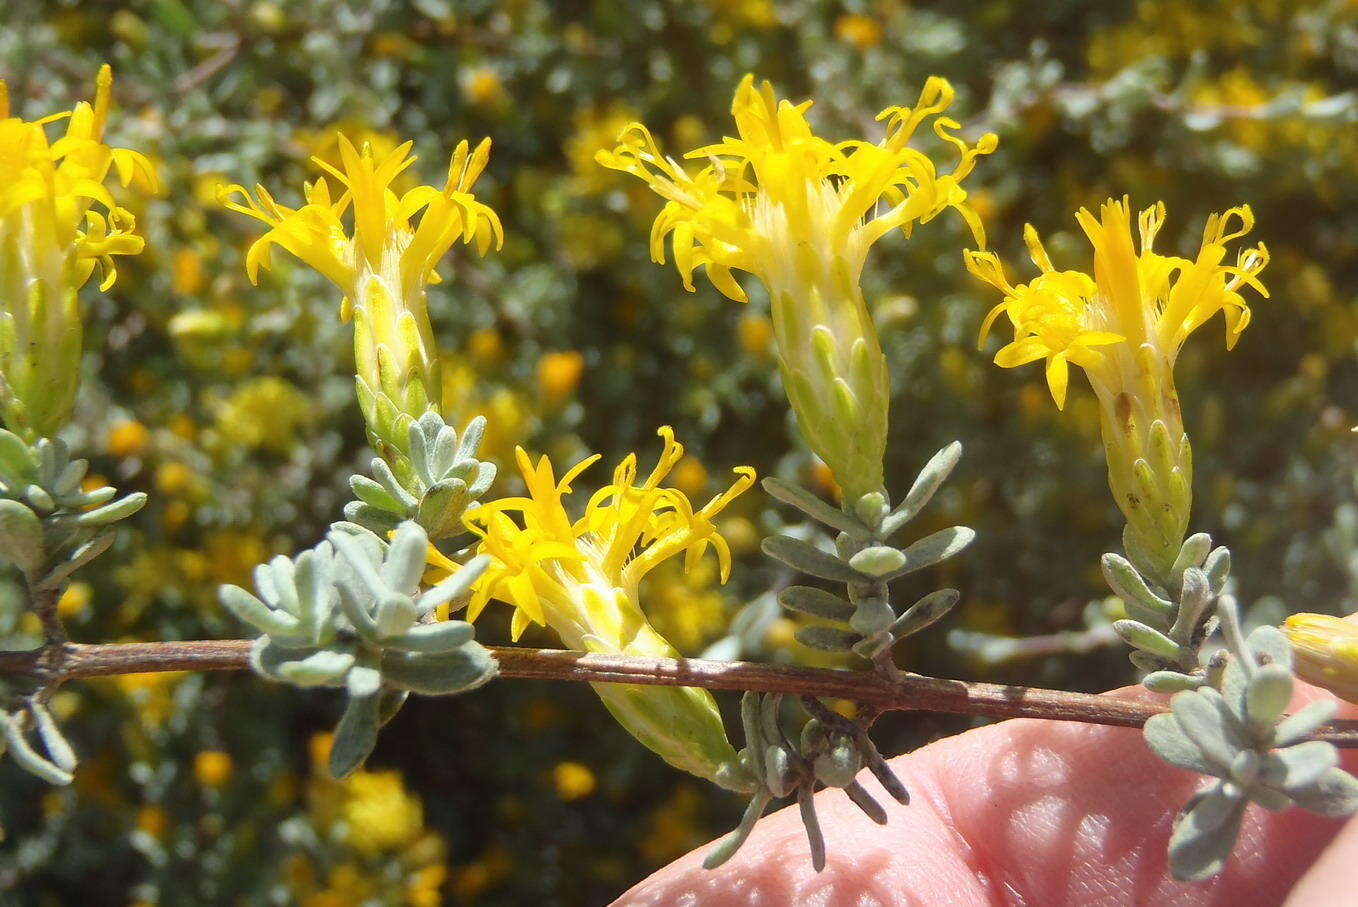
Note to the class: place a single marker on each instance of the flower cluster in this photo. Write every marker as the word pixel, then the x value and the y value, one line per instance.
pixel 382 264
pixel 57 222
pixel 582 577
pixel 1124 326
pixel 800 213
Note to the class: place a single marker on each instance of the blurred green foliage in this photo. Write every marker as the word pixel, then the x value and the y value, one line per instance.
pixel 233 406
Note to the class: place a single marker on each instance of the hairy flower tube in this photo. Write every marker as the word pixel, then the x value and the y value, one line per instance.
pixel 1124 326
pixel 582 578
pixel 800 213
pixel 1325 649
pixel 57 221
pixel 382 263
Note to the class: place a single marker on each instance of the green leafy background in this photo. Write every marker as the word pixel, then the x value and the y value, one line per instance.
pixel 232 405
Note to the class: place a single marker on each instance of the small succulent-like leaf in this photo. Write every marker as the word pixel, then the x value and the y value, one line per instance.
pixel 53 740
pixel 936 547
pixel 865 802
pixel 1170 682
pixel 1270 645
pixel 323 668
pixel 1191 553
pixel 78 558
pixel 442 508
pixel 471 438
pixel 371 518
pixel 356 735
pixel 405 560
pixel 1194 598
pixel 924 612
pixel 1127 583
pixel 21 541
pixel 1202 716
pixel 395 614
pixel 1217 567
pixel 1299 767
pixel 827 639
pixel 1166 738
pixel 838 765
pixel 878 560
pixel 815 839
pixel 726 848
pixel 813 506
pixel 454 586
pixel 815 602
pixel 929 480
pixel 1267 694
pixel 254 612
pixel 465 668
pixel 436 638
pixel 27 757
pixel 1303 721
pixel 1334 794
pixel 1147 639
pixel 374 495
pixel 1204 833
pixel 110 513
pixel 808 559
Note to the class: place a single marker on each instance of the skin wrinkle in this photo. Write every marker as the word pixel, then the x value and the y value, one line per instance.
pixel 1002 815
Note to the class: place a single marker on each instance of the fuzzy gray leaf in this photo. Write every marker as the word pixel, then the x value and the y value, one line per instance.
pixel 924 612
pixel 929 480
pixel 1166 738
pixel 816 602
pixel 1204 834
pixel 1299 767
pixel 21 540
pixel 813 506
pixel 827 639
pixel 463 669
pixel 1303 721
pixel 808 559
pixel 356 735
pixel 435 638
pixel 936 547
pixel 1334 794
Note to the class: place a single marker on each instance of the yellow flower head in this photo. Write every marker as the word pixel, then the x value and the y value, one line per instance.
pixel 52 194
pixel 382 262
pixel 1326 652
pixel 382 240
pixel 780 202
pixel 57 221
pixel 553 568
pixel 581 577
pixel 1136 304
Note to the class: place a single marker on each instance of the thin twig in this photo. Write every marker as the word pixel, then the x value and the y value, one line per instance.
pixel 906 692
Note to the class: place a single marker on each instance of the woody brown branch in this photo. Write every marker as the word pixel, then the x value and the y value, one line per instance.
pixel 904 692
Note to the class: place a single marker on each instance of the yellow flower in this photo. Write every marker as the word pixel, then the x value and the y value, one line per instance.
pixel 573 780
pixel 582 578
pixel 858 30
pixel 57 221
pixel 1325 649
pixel 212 768
pixel 127 438
pixel 800 213
pixel 1124 326
pixel 267 413
pixel 559 374
pixel 75 599
pixel 1134 301
pixel 382 264
pixel 380 815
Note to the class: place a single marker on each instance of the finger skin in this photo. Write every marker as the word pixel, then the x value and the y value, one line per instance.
pixel 1021 812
